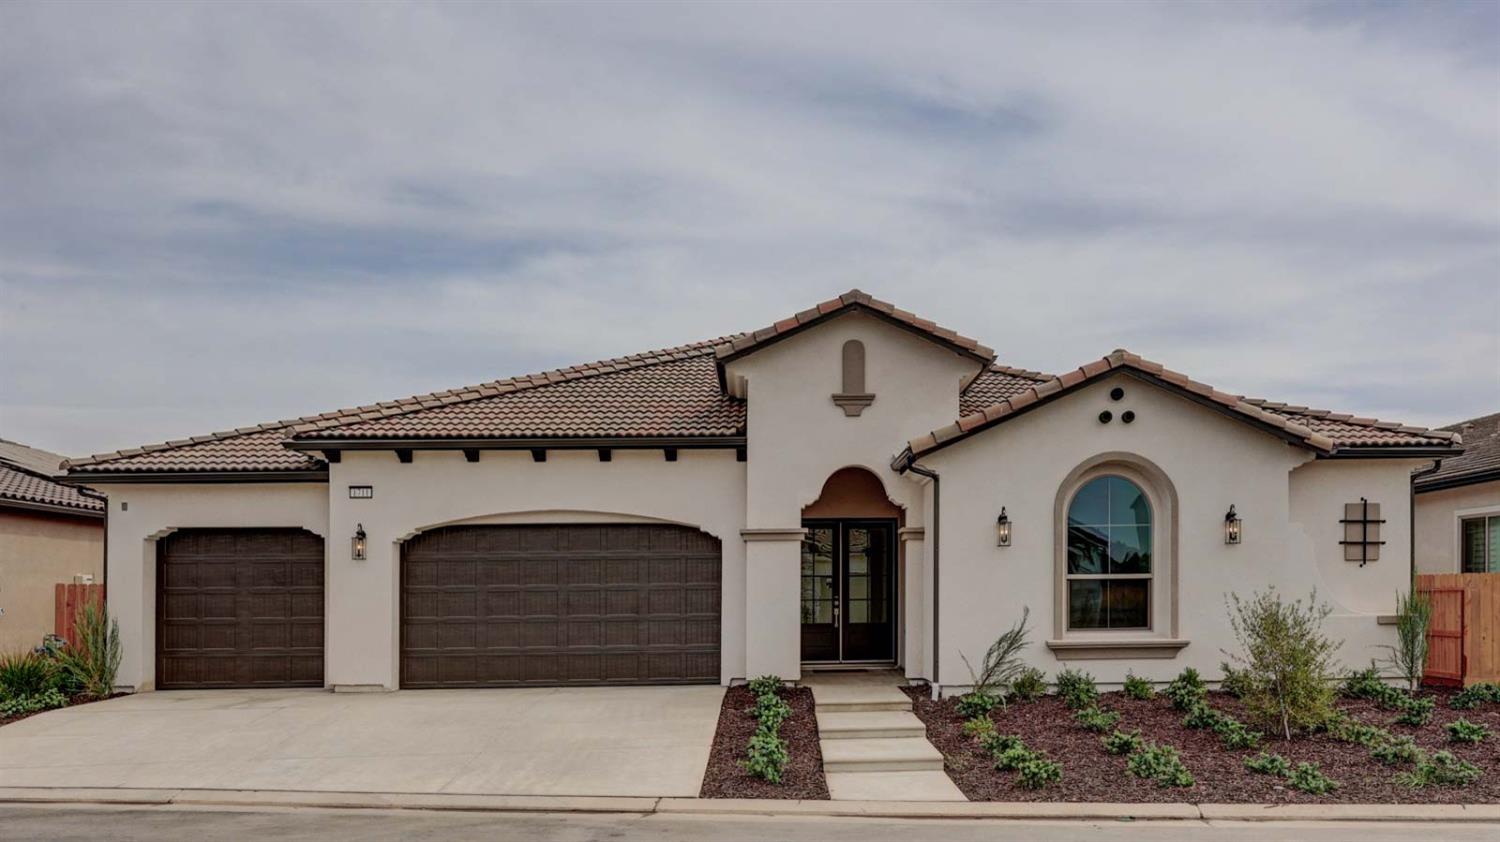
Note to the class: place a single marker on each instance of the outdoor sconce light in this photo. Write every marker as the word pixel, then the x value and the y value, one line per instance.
pixel 1231 526
pixel 1002 527
pixel 357 543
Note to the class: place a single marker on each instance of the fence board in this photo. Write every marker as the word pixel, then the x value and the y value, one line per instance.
pixel 68 601
pixel 1480 622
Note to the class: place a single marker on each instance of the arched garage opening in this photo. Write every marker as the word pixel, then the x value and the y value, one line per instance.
pixel 560 604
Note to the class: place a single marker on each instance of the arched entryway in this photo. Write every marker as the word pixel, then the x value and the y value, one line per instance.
pixel 850 564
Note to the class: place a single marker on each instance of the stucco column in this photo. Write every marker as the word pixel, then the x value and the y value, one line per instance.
pixel 914 602
pixel 773 620
pixel 360 650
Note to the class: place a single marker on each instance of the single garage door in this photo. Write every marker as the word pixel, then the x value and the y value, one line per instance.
pixel 239 608
pixel 503 606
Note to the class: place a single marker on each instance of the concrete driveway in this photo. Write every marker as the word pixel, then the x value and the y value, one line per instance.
pixel 647 741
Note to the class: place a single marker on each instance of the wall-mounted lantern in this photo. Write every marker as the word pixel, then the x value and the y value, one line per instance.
pixel 1232 526
pixel 1002 528
pixel 357 543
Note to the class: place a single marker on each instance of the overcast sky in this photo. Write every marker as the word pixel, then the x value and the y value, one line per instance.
pixel 217 215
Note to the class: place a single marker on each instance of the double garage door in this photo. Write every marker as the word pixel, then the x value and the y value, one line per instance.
pixel 481 606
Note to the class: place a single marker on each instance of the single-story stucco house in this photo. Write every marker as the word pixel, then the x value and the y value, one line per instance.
pixel 1458 504
pixel 853 485
pixel 50 534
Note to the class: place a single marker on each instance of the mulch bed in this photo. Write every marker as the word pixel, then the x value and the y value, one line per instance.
pixel 803 778
pixel 73 702
pixel 1091 774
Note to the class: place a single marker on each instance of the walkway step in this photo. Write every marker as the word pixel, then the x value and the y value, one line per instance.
pixel 869 725
pixel 892 786
pixel 899 754
pixel 850 698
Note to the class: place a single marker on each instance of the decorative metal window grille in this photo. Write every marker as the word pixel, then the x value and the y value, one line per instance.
pixel 1362 531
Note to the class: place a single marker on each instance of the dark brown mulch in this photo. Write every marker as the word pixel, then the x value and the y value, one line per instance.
pixel 73 702
pixel 803 778
pixel 1091 774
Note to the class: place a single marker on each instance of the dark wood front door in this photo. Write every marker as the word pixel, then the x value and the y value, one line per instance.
pixel 504 606
pixel 849 591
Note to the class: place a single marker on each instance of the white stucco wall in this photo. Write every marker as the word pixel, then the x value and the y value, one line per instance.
pixel 702 489
pixel 142 513
pixel 1290 507
pixel 1438 514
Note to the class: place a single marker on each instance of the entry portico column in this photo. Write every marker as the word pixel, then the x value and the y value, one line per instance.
pixel 773 622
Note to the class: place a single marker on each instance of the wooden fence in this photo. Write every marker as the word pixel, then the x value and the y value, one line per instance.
pixel 1463 640
pixel 68 601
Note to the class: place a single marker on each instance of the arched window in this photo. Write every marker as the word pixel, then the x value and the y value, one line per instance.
pixel 1109 555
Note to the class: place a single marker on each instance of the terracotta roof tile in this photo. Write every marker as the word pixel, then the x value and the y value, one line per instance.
pixel 27 478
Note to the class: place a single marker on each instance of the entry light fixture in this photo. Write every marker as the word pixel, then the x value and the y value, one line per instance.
pixel 357 543
pixel 1002 528
pixel 1232 524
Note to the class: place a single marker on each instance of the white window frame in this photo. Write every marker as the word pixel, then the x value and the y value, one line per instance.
pixel 1459 517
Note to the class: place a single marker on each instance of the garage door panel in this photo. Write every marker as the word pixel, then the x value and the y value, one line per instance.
pixel 563 604
pixel 239 608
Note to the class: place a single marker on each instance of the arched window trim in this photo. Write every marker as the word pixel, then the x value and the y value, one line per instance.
pixel 1162 496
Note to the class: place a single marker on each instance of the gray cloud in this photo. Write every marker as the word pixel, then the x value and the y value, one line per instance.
pixel 218 214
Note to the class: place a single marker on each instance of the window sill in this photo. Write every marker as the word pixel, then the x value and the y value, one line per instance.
pixel 852 404
pixel 1113 650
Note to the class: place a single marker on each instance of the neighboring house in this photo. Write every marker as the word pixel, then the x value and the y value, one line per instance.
pixel 1458 504
pixel 49 533
pixel 769 502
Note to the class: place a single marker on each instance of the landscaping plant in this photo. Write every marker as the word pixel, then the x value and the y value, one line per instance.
pixel 1396 751
pixel 1014 755
pixel 1288 658
pixel 1463 731
pixel 1038 772
pixel 1001 666
pixel 1187 690
pixel 32 703
pixel 978 726
pixel 765 685
pixel 976 703
pixel 24 673
pixel 1307 777
pixel 1474 695
pixel 1161 764
pixel 1269 764
pixel 997 744
pixel 1236 682
pixel 766 754
pixel 94 659
pixel 1121 742
pixel 1137 687
pixel 1031 684
pixel 1409 656
pixel 1415 711
pixel 1076 688
pixel 1097 719
pixel 1235 735
pixel 1441 769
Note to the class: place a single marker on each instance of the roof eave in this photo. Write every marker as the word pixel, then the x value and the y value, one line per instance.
pixel 177 477
pixel 50 508
pixel 1424 484
pixel 518 443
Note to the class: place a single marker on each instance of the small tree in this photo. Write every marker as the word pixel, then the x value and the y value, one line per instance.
pixel 1288 658
pixel 1409 655
pixel 1002 663
pixel 94 658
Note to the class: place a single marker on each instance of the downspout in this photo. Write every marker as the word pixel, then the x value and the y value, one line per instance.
pixel 910 464
pixel 1411 514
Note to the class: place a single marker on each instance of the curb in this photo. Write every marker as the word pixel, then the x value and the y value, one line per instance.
pixel 1023 810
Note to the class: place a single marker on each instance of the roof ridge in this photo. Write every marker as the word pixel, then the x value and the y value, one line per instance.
pixel 445 397
pixel 1039 376
pixel 388 409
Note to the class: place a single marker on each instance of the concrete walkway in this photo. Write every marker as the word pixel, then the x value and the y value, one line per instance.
pixel 606 741
pixel 874 747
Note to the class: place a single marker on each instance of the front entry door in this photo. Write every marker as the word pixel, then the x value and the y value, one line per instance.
pixel 849 591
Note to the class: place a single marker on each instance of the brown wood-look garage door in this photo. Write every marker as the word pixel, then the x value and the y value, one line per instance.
pixel 502 606
pixel 239 608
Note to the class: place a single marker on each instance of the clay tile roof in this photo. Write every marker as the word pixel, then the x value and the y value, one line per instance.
pixel 994 385
pixel 247 449
pixel 1318 430
pixel 1480 461
pixel 853 300
pixel 27 479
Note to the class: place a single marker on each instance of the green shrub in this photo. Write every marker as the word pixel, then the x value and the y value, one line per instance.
pixel 1038 772
pixel 1347 729
pixel 772 711
pixel 1097 719
pixel 1409 655
pixel 1235 735
pixel 1015 756
pixel 1308 778
pixel 1030 685
pixel 32 703
pixel 1396 751
pixel 766 685
pixel 975 704
pixel 1441 769
pixel 1237 682
pixel 1289 658
pixel 1415 711
pixel 95 659
pixel 978 726
pixel 1463 731
pixel 1187 690
pixel 1121 742
pixel 1364 684
pixel 1474 695
pixel 1002 662
pixel 1137 687
pixel 1161 764
pixel 1076 688
pixel 997 744
pixel 766 756
pixel 1201 716
pixel 24 673
pixel 1269 764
